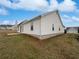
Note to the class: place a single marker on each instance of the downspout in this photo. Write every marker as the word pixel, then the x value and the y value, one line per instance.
pixel 40 26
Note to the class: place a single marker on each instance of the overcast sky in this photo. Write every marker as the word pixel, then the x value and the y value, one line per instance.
pixel 12 10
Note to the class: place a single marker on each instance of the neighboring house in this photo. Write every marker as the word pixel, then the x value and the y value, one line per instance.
pixel 6 27
pixel 72 29
pixel 43 26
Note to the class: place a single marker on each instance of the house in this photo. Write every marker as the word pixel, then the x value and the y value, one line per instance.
pixel 72 29
pixel 43 26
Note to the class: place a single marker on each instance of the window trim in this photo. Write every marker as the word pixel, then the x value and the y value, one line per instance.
pixel 53 27
pixel 32 27
pixel 59 29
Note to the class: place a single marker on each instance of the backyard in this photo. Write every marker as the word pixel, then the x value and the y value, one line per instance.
pixel 21 46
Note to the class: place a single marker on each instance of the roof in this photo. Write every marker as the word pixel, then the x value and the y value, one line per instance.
pixel 73 27
pixel 76 27
pixel 25 21
pixel 39 16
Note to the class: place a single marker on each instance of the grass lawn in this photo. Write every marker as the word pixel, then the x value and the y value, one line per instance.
pixel 26 47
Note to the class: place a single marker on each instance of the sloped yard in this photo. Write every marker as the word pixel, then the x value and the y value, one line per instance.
pixel 26 47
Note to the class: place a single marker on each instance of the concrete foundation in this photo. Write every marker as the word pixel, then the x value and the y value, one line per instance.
pixel 41 37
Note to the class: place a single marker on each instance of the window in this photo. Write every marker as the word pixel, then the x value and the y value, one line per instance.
pixel 59 29
pixel 52 27
pixel 31 27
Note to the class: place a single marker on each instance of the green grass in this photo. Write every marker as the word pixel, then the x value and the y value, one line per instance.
pixel 26 47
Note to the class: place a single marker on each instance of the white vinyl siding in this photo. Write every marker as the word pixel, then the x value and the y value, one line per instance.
pixel 32 27
pixel 44 25
pixel 47 21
